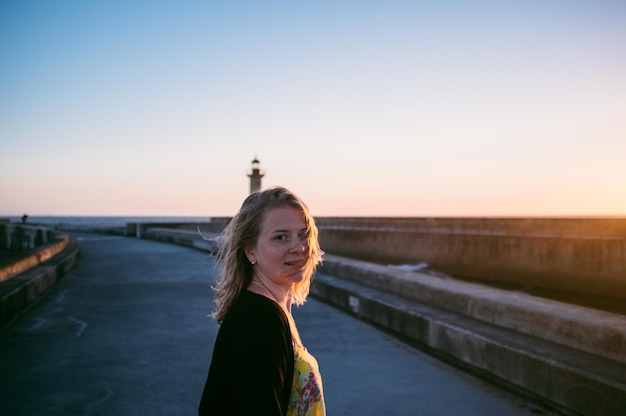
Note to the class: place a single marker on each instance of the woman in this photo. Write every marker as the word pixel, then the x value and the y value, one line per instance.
pixel 269 252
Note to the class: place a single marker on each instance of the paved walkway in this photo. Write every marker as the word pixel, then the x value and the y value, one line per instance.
pixel 127 333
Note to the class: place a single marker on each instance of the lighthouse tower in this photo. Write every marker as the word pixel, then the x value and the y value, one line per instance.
pixel 255 176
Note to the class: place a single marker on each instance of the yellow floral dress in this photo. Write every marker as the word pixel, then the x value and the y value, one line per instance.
pixel 307 394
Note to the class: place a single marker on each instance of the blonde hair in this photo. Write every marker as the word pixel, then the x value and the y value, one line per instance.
pixel 243 231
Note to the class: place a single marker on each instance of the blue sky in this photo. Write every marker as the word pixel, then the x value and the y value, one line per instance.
pixel 395 108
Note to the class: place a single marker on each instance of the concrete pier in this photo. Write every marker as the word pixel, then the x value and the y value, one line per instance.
pixel 571 357
pixel 568 357
pixel 127 333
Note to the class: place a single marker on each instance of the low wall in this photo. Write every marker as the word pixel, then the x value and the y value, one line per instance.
pixel 20 237
pixel 579 256
pixel 574 255
pixel 29 259
pixel 38 272
pixel 215 226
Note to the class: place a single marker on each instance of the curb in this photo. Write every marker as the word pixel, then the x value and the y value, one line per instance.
pixel 37 256
pixel 570 381
pixel 22 290
pixel 594 331
pixel 205 241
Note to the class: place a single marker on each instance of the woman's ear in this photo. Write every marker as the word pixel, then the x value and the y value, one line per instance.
pixel 250 254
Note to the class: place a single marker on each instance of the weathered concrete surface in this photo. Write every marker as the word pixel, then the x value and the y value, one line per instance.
pixel 597 332
pixel 580 255
pixel 22 237
pixel 572 357
pixel 127 333
pixel 215 226
pixel 196 238
pixel 572 381
pixel 38 273
pixel 19 262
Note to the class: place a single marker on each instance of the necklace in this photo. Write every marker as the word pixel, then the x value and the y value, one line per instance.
pixel 269 290
pixel 292 324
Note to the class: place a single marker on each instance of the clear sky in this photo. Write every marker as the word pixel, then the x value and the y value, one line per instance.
pixel 363 108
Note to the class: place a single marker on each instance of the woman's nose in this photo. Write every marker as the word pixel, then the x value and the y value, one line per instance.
pixel 299 246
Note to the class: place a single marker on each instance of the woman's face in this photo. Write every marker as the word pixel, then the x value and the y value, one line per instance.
pixel 281 250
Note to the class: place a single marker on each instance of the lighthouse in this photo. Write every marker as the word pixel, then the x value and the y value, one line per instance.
pixel 255 176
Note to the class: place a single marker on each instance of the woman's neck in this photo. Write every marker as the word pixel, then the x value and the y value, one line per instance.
pixel 284 302
pixel 273 291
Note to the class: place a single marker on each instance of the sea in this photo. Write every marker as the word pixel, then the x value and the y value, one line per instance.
pixel 103 221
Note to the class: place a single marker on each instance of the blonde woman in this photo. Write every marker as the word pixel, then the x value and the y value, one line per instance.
pixel 269 252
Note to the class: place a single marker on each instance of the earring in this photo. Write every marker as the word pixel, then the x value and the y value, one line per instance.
pixel 252 261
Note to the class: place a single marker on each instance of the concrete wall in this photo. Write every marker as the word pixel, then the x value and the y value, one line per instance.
pixel 578 255
pixel 20 237
pixel 216 225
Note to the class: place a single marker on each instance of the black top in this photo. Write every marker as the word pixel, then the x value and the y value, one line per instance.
pixel 251 370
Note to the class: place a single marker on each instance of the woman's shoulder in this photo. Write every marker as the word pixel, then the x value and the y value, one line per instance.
pixel 255 319
pixel 254 307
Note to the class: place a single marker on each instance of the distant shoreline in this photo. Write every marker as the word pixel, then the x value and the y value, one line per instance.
pixel 104 220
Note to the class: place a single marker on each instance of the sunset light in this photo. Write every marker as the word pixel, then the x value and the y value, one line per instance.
pixel 362 108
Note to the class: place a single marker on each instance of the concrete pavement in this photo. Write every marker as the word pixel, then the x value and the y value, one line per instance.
pixel 127 333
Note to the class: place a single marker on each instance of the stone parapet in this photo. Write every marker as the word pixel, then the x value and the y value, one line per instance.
pixel 577 255
pixel 572 381
pixel 205 241
pixel 597 332
pixel 23 289
pixel 23 237
pixel 15 265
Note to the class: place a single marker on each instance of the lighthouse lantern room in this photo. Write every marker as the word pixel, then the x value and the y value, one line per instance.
pixel 255 176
